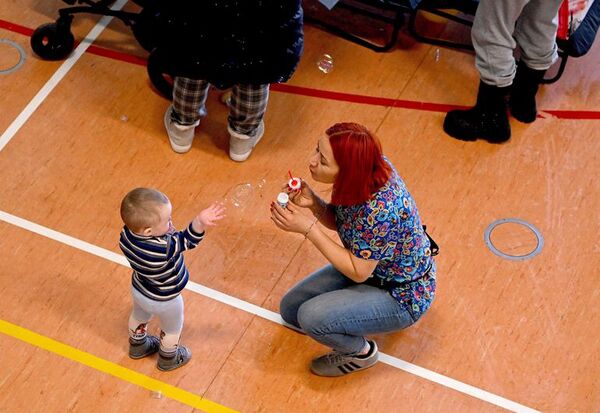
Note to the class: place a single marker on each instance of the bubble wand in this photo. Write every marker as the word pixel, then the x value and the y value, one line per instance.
pixel 294 183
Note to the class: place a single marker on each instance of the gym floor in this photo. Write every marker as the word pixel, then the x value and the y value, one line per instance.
pixel 502 334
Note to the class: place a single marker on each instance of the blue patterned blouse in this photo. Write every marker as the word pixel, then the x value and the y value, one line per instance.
pixel 388 228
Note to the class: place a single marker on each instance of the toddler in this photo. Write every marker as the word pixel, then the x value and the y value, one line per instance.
pixel 154 250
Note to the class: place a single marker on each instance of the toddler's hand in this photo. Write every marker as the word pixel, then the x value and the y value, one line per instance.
pixel 209 217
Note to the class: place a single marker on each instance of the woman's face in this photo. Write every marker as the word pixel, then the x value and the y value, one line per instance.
pixel 323 166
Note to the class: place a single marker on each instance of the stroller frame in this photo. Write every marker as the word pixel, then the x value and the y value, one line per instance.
pixel 55 41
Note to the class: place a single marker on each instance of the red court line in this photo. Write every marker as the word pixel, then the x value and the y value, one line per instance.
pixel 367 100
pixel 574 114
pixel 111 54
pixel 319 93
pixel 15 28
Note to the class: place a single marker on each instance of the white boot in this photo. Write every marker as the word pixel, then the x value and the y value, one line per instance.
pixel 240 146
pixel 180 136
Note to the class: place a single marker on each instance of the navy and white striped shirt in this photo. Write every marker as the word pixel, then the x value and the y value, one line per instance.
pixel 157 262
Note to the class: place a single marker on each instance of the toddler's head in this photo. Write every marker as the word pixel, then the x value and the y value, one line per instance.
pixel 147 211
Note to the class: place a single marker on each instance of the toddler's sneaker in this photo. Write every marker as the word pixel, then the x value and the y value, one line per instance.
pixel 336 364
pixel 149 346
pixel 240 146
pixel 168 363
pixel 180 136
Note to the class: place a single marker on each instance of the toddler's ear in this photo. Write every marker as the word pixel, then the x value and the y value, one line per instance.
pixel 147 231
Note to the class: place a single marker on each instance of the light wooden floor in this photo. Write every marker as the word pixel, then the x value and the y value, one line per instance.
pixel 526 331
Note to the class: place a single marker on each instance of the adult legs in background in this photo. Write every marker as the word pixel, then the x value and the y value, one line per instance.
pixel 535 33
pixel 188 107
pixel 247 107
pixel 498 27
pixel 492 36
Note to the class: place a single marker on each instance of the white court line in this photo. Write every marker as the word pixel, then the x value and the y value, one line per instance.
pixel 37 100
pixel 269 315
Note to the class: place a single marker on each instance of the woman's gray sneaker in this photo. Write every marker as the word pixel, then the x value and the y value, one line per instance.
pixel 337 364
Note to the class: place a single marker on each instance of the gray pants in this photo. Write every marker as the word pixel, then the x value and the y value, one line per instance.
pixel 501 25
pixel 170 316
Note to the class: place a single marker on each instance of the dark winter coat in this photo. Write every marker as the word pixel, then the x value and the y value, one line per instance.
pixel 231 41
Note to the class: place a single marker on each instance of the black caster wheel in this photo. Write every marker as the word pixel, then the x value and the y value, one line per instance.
pixel 52 41
pixel 160 79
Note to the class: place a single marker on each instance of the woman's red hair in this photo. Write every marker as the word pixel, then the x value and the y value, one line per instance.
pixel 360 159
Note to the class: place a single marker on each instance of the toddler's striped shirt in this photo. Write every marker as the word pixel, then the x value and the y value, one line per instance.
pixel 157 262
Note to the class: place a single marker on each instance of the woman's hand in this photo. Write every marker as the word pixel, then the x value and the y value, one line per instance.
pixel 209 217
pixel 303 197
pixel 290 219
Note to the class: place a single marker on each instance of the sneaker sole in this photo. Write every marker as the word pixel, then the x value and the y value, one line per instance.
pixel 340 372
pixel 142 356
pixel 179 148
pixel 469 137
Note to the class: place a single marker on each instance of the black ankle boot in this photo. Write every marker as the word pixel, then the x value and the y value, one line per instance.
pixel 487 119
pixel 524 88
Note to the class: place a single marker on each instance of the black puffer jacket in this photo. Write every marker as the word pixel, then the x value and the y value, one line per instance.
pixel 230 41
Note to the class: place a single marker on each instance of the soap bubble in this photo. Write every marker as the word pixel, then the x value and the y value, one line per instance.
pixel 246 197
pixel 240 195
pixel 325 63
pixel 436 55
pixel 157 394
pixel 124 118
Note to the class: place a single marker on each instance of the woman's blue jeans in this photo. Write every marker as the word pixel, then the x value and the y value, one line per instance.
pixel 337 312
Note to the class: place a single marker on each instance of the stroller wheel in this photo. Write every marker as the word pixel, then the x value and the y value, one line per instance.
pixel 161 80
pixel 52 41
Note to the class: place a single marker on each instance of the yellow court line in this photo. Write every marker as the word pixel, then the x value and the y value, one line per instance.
pixel 113 369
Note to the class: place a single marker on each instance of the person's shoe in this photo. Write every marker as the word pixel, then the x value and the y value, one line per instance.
pixel 488 119
pixel 149 346
pixel 336 364
pixel 180 136
pixel 240 146
pixel 181 357
pixel 524 88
